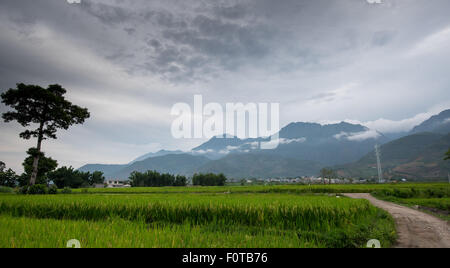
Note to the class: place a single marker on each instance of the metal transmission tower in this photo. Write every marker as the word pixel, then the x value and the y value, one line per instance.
pixel 378 155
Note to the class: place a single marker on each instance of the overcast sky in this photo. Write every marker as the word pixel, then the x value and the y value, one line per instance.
pixel 382 65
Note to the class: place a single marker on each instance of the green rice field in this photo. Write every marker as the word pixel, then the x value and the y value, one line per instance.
pixel 200 217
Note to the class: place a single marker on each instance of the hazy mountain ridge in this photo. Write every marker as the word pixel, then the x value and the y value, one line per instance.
pixel 257 165
pixel 108 170
pixel 303 149
pixel 159 153
pixel 327 144
pixel 177 164
pixel 438 124
pixel 418 156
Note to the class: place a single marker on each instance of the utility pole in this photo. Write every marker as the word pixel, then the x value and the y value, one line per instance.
pixel 380 171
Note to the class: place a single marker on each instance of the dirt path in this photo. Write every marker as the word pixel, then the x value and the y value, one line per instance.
pixel 415 229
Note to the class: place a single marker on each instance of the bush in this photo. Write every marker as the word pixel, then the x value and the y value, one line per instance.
pixel 69 177
pixel 8 178
pixel 37 189
pixel 435 192
pixel 23 190
pixel 66 190
pixel 209 179
pixel 53 189
pixel 5 189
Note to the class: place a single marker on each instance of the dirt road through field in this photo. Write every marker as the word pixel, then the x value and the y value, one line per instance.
pixel 415 229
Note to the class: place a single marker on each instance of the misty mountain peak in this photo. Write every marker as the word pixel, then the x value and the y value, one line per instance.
pixel 437 124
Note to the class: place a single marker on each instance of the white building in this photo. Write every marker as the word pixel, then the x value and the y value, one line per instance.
pixel 116 184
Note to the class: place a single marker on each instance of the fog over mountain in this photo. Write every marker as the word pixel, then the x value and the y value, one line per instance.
pixel 438 123
pixel 326 144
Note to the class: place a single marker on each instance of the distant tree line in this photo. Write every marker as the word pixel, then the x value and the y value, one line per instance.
pixel 46 164
pixel 68 177
pixel 156 179
pixel 327 173
pixel 62 177
pixel 8 177
pixel 209 179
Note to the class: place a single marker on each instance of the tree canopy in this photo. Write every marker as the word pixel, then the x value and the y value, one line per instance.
pixel 447 155
pixel 8 177
pixel 156 179
pixel 69 177
pixel 209 179
pixel 327 173
pixel 34 104
pixel 45 107
pixel 46 165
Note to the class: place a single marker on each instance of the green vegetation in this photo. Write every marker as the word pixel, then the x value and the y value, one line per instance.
pixel 118 233
pixel 209 179
pixel 434 199
pixel 289 189
pixel 4 189
pixel 447 155
pixel 229 216
pixel 438 203
pixel 8 178
pixel 413 192
pixel 156 179
pixel 192 220
pixel 68 177
pixel 45 107
pixel 45 165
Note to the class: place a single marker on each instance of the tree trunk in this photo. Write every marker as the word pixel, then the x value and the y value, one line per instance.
pixel 36 158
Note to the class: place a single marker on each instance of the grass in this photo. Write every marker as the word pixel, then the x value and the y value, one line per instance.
pixel 6 190
pixel 292 189
pixel 191 220
pixel 118 233
pixel 433 200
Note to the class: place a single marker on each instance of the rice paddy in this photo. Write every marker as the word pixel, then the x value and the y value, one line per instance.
pixel 198 217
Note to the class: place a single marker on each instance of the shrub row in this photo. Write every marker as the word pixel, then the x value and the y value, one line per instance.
pixel 41 189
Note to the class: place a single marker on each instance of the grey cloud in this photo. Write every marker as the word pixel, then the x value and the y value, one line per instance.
pixel 234 12
pixel 382 38
pixel 294 52
pixel 108 14
pixel 130 31
pixel 169 20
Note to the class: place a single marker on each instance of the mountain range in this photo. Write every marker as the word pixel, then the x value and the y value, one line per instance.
pixel 305 148
pixel 437 124
pixel 415 156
